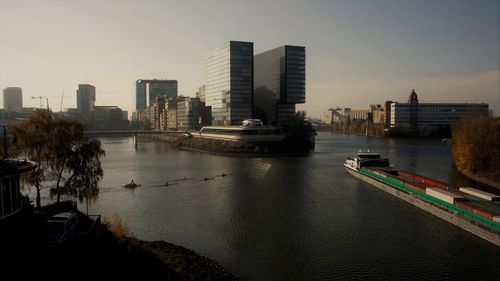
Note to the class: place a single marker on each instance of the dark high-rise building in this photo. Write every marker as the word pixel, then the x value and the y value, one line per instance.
pixel 229 82
pixel 12 98
pixel 85 100
pixel 280 83
pixel 155 88
pixel 140 95
pixel 165 88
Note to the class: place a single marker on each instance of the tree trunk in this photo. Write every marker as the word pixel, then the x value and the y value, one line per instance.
pixel 58 188
pixel 38 205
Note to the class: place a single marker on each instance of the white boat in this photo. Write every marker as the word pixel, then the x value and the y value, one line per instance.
pixel 242 133
pixel 252 122
pixel 365 159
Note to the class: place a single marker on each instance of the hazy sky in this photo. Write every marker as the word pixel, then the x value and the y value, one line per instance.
pixel 358 52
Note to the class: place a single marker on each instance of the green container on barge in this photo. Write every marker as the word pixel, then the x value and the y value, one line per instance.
pixel 438 198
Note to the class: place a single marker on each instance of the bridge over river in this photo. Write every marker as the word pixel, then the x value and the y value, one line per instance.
pixel 133 133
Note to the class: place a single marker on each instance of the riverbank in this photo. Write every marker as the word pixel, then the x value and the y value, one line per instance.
pixel 287 147
pixel 480 178
pixel 476 152
pixel 96 252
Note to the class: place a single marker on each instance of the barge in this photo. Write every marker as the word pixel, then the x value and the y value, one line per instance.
pixel 472 210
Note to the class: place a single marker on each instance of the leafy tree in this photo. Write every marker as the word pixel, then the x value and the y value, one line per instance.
pixel 32 138
pixel 65 155
pixel 74 161
pixel 298 125
pixel 475 145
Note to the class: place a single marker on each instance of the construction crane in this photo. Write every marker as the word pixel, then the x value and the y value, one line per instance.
pixel 62 98
pixel 46 100
pixel 40 98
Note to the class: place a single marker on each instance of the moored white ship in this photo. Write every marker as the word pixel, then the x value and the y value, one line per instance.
pixel 365 159
pixel 252 130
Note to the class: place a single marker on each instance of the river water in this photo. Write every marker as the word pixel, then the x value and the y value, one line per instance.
pixel 294 218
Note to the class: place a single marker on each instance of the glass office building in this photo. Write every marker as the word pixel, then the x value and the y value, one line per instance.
pixel 280 76
pixel 229 82
pixel 430 115
pixel 154 88
pixel 140 95
pixel 167 88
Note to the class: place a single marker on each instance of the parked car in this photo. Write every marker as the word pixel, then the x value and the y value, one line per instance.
pixel 60 228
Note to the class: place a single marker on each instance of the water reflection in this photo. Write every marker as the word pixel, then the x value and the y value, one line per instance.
pixel 259 168
pixel 297 218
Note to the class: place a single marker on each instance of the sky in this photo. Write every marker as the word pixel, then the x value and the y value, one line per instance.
pixel 357 52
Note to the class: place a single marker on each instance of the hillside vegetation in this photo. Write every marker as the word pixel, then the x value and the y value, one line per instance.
pixel 476 147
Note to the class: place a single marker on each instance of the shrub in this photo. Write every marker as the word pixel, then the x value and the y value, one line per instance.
pixel 117 226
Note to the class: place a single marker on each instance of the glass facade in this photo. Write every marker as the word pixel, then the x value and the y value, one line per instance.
pixel 433 114
pixel 155 88
pixel 140 95
pixel 295 75
pixel 229 82
pixel 279 83
pixel 166 88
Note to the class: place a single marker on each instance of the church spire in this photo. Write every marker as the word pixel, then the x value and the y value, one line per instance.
pixel 413 101
pixel 413 97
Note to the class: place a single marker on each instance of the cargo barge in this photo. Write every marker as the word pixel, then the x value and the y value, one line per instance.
pixel 473 210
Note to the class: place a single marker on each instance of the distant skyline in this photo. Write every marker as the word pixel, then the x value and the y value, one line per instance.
pixel 358 52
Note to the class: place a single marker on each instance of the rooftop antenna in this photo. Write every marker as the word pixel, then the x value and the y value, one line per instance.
pixel 62 98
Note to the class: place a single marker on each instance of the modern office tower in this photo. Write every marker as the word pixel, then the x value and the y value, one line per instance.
pixel 12 98
pixel 85 100
pixel 229 82
pixel 154 88
pixel 280 83
pixel 429 116
pixel 140 95
pixel 165 88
